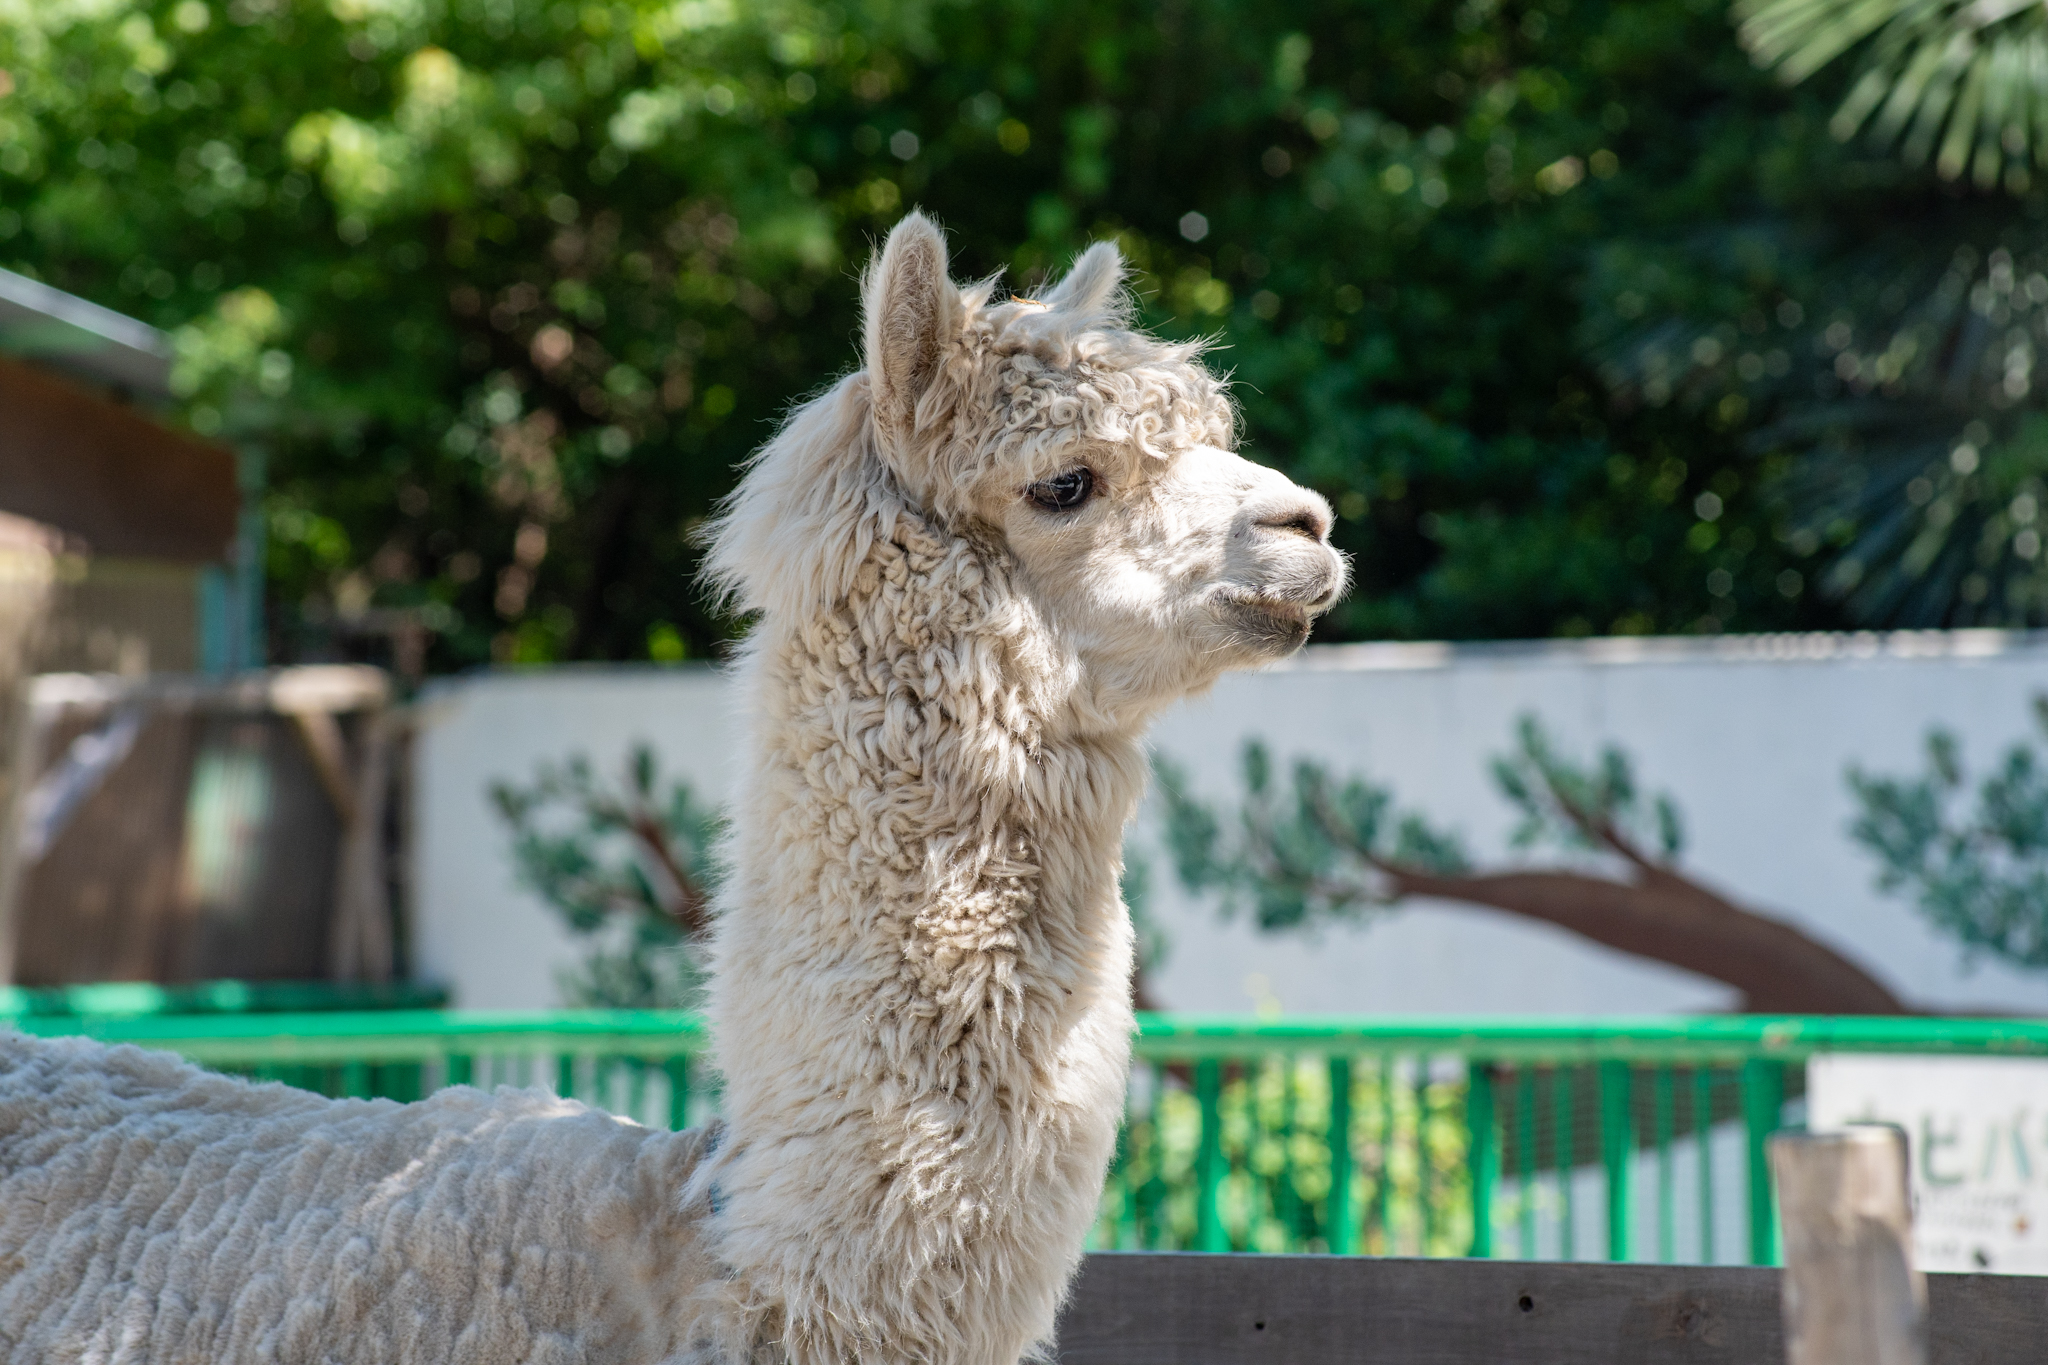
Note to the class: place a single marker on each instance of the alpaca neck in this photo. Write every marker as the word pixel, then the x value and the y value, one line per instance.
pixel 922 972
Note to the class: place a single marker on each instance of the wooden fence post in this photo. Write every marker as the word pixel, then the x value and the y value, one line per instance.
pixel 1851 1295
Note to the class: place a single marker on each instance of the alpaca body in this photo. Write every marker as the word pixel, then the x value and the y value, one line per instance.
pixel 155 1214
pixel 978 567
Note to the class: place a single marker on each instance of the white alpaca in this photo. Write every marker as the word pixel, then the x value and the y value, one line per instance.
pixel 980 565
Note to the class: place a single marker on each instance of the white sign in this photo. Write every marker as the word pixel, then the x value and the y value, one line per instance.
pixel 1977 1133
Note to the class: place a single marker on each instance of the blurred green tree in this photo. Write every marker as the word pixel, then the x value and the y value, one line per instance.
pixel 508 287
pixel 1979 875
pixel 1322 853
pixel 1885 369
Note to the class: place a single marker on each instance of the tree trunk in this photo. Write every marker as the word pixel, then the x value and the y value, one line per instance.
pixel 1666 918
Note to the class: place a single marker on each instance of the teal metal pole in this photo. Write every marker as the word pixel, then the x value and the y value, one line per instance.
pixel 1763 1102
pixel 1343 1225
pixel 216 620
pixel 1617 1153
pixel 1482 1144
pixel 1210 1234
pixel 251 473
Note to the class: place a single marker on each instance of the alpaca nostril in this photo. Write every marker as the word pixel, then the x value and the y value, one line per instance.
pixel 1305 521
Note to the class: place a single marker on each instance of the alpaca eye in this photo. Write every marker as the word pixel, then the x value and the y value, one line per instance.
pixel 1063 492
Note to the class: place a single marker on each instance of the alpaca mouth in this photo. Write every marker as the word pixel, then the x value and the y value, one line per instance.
pixel 1268 623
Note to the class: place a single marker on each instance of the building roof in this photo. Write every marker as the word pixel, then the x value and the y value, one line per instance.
pixel 107 476
pixel 65 332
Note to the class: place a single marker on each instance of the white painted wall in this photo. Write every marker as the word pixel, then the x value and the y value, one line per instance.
pixel 1750 735
pixel 495 945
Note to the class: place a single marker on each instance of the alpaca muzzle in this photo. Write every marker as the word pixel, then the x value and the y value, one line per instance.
pixel 1285 572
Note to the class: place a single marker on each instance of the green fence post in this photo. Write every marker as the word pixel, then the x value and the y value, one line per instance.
pixel 1425 1177
pixel 1129 1228
pixel 636 1087
pixel 1151 1192
pixel 1343 1224
pixel 461 1067
pixel 1567 1163
pixel 1482 1143
pixel 1702 1128
pixel 1119 1199
pixel 409 1083
pixel 1617 1153
pixel 1383 1192
pixel 1287 1206
pixel 1663 1088
pixel 678 1069
pixel 1763 1102
pixel 1259 1210
pixel 1703 1132
pixel 1525 1158
pixel 1210 1234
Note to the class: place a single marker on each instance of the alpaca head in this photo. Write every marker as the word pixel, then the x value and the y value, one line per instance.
pixel 1096 459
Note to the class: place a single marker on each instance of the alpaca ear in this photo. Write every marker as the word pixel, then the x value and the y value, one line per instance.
pixel 1092 287
pixel 910 308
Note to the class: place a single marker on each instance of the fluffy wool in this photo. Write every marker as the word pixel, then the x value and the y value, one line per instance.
pixel 979 566
pixel 153 1212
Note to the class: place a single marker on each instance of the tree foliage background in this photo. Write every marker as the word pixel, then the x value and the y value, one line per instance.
pixel 1583 322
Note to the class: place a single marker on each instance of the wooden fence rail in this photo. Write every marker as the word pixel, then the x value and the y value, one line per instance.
pixel 1137 1308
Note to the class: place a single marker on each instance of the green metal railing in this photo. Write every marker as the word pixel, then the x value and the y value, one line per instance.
pixel 217 997
pixel 1622 1139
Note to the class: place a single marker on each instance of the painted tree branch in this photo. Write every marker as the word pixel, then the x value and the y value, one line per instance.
pixel 1335 852
pixel 679 893
pixel 629 862
pixel 1671 919
pixel 1660 914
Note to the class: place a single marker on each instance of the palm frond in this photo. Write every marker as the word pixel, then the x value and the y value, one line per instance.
pixel 1964 82
pixel 1917 437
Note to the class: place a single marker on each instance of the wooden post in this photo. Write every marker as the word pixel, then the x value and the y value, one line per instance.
pixel 359 940
pixel 1851 1296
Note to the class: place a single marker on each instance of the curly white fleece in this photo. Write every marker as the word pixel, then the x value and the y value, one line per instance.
pixel 155 1214
pixel 922 963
